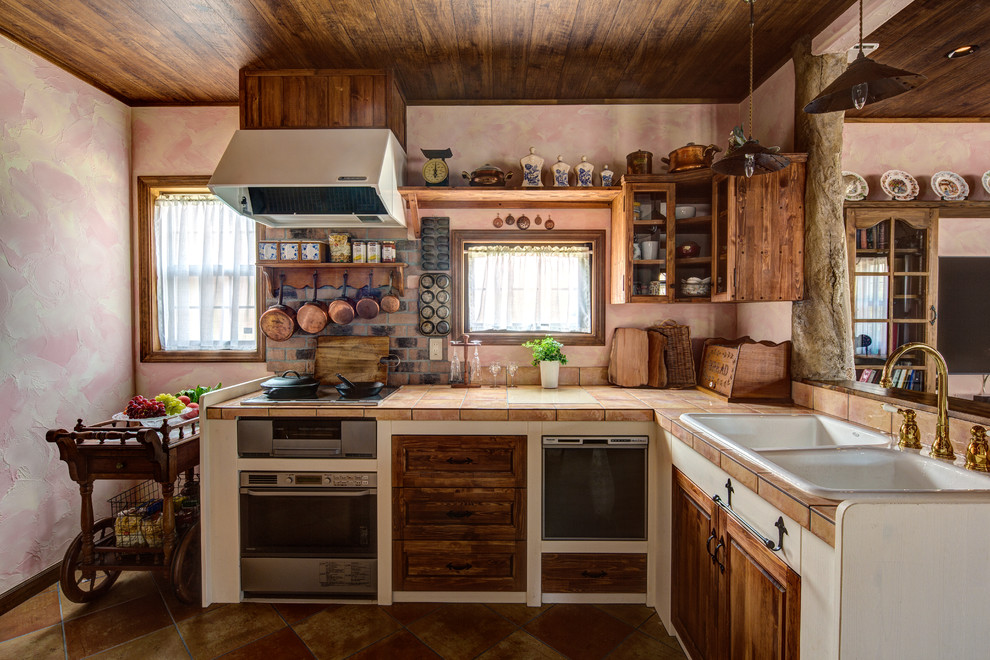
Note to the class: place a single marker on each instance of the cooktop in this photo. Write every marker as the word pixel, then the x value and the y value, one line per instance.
pixel 325 396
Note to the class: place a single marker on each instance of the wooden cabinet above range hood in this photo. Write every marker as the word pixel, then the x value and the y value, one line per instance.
pixel 322 98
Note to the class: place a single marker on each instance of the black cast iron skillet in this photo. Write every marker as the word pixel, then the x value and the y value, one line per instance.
pixel 359 390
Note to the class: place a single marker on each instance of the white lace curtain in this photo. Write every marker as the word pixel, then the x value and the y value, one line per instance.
pixel 871 302
pixel 529 288
pixel 206 275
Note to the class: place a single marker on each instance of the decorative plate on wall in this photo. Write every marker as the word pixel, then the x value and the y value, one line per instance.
pixel 986 181
pixel 855 187
pixel 950 186
pixel 899 185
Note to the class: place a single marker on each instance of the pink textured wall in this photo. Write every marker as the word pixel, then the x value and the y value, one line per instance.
pixel 65 306
pixel 501 135
pixel 773 110
pixel 181 141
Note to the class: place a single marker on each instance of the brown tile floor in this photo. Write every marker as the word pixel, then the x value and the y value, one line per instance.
pixel 140 618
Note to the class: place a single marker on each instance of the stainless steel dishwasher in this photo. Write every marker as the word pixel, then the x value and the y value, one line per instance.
pixel 594 488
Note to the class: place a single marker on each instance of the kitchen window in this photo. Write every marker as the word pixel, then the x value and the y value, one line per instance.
pixel 516 287
pixel 199 290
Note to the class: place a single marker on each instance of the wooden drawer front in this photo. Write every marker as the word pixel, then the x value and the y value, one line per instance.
pixel 594 573
pixel 459 513
pixel 452 461
pixel 459 565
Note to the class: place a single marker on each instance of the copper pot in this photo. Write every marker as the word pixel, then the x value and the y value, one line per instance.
pixel 390 302
pixel 342 309
pixel 279 321
pixel 312 316
pixel 639 162
pixel 690 157
pixel 487 175
pixel 367 307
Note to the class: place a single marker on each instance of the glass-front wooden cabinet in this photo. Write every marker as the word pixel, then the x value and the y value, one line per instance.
pixel 893 268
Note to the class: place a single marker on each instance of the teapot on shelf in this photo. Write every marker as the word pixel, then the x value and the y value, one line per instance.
pixel 487 175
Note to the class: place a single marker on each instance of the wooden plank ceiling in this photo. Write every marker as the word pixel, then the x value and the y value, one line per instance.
pixel 917 39
pixel 443 51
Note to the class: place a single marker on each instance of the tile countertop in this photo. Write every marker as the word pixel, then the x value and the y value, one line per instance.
pixel 612 404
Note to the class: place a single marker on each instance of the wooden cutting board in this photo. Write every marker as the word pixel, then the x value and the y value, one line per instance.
pixel 627 364
pixel 357 358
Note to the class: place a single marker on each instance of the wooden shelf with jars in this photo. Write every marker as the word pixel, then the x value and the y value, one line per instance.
pixel 893 277
pixel 300 274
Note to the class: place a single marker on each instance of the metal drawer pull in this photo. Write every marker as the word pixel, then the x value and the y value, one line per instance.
pixel 460 514
pixel 721 566
pixel 781 528
pixel 458 567
pixel 599 574
pixel 459 461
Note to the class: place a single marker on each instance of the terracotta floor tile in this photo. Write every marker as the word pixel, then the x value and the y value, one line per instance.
pixel 115 625
pixel 581 632
pixel 296 612
pixel 130 585
pixel 642 647
pixel 634 615
pixel 520 644
pixel 400 646
pixel 461 630
pixel 284 645
pixel 164 644
pixel 180 611
pixel 345 631
pixel 33 614
pixel 44 644
pixel 211 633
pixel 654 628
pixel 406 613
pixel 518 613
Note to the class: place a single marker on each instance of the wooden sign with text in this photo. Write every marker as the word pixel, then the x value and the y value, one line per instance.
pixel 746 370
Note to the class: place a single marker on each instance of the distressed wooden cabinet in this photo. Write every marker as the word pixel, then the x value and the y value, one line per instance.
pixel 322 98
pixel 580 572
pixel 758 235
pixel 893 277
pixel 458 513
pixel 731 597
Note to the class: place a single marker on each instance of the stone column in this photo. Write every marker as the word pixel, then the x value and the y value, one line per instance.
pixel 821 324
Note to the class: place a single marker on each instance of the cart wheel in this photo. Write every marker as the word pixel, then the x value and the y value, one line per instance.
pixel 185 574
pixel 76 584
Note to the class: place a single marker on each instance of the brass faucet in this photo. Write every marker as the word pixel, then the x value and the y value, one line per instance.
pixel 976 452
pixel 941 447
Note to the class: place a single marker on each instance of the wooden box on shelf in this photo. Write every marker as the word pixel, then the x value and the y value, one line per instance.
pixel 746 370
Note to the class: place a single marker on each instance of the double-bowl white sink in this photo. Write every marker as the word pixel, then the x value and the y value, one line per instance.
pixel 835 459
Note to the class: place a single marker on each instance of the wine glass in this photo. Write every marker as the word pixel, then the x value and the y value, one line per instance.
pixel 511 369
pixel 495 368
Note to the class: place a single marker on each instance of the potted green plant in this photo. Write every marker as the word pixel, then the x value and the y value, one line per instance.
pixel 548 356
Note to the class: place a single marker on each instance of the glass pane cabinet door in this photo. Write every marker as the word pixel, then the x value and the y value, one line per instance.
pixel 720 236
pixel 649 219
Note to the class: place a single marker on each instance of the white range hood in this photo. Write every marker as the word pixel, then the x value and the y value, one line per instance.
pixel 343 177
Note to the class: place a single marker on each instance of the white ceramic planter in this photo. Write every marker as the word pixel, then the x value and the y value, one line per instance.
pixel 549 373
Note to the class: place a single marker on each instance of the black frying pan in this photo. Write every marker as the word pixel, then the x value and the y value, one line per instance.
pixel 359 390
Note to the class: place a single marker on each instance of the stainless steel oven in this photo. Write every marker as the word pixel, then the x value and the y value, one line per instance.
pixel 306 437
pixel 309 534
pixel 594 488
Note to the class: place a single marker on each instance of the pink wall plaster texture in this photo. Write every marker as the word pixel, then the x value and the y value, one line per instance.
pixel 182 141
pixel 65 328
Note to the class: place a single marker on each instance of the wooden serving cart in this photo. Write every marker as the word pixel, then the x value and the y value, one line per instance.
pixel 127 451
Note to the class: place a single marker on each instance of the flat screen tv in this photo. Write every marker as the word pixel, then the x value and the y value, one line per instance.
pixel 964 313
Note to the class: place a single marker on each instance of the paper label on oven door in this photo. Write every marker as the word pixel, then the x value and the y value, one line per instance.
pixel 345 573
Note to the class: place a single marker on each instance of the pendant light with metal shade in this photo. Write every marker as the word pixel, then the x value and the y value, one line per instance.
pixel 746 156
pixel 863 82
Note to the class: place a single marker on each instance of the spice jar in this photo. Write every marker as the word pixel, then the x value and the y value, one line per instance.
pixel 388 252
pixel 359 252
pixel 374 251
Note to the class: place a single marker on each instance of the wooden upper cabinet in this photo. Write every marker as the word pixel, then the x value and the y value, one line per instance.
pixel 758 235
pixel 322 98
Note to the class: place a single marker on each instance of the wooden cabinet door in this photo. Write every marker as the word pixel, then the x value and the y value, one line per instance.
pixel 693 574
pixel 759 598
pixel 766 226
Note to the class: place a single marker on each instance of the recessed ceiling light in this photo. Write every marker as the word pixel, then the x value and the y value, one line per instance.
pixel 962 51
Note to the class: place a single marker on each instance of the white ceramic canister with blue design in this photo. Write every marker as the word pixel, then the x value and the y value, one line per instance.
pixel 608 177
pixel 584 170
pixel 532 169
pixel 561 171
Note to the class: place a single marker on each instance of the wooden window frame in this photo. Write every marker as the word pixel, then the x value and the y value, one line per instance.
pixel 149 188
pixel 598 292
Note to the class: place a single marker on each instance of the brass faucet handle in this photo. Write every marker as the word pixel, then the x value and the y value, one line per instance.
pixel 909 436
pixel 977 451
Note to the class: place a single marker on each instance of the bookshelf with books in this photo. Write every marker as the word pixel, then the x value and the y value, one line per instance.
pixel 893 268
